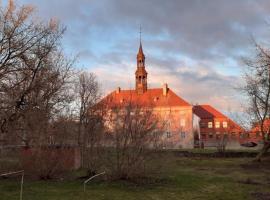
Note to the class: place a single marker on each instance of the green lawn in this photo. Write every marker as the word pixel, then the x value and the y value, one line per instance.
pixel 180 178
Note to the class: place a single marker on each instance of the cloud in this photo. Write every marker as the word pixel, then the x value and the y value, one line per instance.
pixel 195 46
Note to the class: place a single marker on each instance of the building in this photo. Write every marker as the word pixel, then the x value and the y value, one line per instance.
pixel 214 126
pixel 174 110
pixel 255 135
pixel 182 120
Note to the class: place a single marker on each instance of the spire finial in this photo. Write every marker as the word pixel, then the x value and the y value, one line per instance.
pixel 140 52
pixel 140 33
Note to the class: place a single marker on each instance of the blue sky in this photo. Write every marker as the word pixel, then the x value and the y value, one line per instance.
pixel 196 46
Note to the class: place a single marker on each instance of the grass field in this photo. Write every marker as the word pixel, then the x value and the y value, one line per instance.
pixel 180 178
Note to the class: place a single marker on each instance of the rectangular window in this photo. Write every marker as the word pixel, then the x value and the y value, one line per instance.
pixel 168 125
pixel 210 124
pixel 202 125
pixel 183 135
pixel 182 122
pixel 233 135
pixel 218 136
pixel 217 124
pixel 168 134
pixel 225 124
pixel 203 136
pixel 210 135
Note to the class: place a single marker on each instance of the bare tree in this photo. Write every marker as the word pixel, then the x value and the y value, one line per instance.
pixel 33 72
pixel 134 132
pixel 90 127
pixel 34 80
pixel 222 143
pixel 89 93
pixel 257 88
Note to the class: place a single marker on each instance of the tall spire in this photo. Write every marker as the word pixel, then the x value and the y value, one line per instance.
pixel 140 52
pixel 141 74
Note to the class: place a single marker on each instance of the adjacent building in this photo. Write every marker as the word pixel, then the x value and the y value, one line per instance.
pixel 214 126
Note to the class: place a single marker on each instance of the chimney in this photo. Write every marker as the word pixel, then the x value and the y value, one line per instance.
pixel 165 89
pixel 118 90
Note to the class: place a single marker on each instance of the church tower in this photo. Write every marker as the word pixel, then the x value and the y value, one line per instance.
pixel 141 74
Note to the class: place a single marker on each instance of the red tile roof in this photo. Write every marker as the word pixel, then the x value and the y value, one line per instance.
pixel 207 112
pixel 152 97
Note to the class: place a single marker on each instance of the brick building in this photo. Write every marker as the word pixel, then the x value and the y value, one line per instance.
pixel 214 126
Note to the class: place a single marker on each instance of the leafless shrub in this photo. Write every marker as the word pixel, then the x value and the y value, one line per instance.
pixel 134 133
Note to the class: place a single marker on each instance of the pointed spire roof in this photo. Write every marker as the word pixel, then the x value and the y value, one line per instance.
pixel 140 52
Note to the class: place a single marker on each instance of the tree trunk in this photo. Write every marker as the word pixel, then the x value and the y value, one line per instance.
pixel 266 147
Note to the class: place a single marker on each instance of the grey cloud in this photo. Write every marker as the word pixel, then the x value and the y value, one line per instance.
pixel 199 29
pixel 206 31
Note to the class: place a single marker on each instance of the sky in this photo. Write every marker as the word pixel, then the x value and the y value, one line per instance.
pixel 196 46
